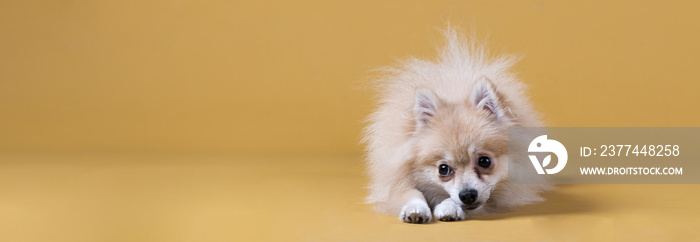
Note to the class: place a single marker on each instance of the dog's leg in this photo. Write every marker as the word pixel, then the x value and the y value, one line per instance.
pixel 449 210
pixel 415 209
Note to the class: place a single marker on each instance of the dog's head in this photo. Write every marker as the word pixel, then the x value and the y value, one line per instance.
pixel 461 147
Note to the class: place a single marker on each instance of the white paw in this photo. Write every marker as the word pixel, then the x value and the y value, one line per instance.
pixel 449 210
pixel 416 211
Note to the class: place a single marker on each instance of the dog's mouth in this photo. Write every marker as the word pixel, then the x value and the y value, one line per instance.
pixel 472 207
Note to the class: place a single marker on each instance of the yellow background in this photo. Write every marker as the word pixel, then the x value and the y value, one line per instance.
pixel 241 120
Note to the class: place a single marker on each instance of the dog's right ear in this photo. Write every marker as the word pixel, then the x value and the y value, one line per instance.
pixel 485 97
pixel 425 107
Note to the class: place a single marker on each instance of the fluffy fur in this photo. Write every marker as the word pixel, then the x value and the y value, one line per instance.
pixel 451 111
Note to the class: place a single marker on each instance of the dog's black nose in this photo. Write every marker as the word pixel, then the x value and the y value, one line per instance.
pixel 468 196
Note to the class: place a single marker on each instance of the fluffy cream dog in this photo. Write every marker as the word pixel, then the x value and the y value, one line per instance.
pixel 438 143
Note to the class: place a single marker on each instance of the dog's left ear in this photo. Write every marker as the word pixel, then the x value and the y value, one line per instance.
pixel 425 107
pixel 485 97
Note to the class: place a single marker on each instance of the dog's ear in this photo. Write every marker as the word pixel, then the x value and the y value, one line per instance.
pixel 485 97
pixel 425 107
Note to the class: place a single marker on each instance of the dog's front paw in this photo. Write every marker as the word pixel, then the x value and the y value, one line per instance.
pixel 416 211
pixel 449 210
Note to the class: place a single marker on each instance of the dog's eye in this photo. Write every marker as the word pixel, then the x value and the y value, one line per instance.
pixel 484 161
pixel 444 170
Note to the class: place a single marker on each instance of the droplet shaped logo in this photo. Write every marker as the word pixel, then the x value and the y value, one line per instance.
pixel 542 144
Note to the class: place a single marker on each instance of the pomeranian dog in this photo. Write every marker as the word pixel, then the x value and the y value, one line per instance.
pixel 438 142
